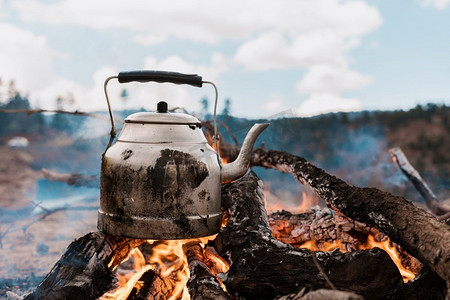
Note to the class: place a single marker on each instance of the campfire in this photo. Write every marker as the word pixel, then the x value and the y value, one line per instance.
pixel 167 260
pixel 359 245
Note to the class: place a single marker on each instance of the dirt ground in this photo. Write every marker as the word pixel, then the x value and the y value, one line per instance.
pixel 32 241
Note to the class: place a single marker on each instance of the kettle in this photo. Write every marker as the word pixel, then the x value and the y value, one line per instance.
pixel 161 180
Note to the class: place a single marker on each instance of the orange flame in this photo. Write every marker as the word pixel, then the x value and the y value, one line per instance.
pixel 393 253
pixel 370 243
pixel 213 145
pixel 170 262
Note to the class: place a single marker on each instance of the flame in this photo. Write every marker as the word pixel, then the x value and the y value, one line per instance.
pixel 213 145
pixel 393 253
pixel 215 262
pixel 385 245
pixel 169 261
pixel 308 201
pixel 128 280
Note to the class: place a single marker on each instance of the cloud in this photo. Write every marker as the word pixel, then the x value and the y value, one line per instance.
pixel 207 21
pixel 310 33
pixel 438 4
pixel 149 39
pixel 218 65
pixel 324 84
pixel 204 21
pixel 331 79
pixel 315 36
pixel 274 104
pixel 24 56
pixel 319 103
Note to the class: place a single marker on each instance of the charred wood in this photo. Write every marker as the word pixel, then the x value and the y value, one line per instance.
pixel 438 209
pixel 321 226
pixel 263 267
pixel 426 285
pixel 84 270
pixel 322 294
pixel 150 286
pixel 409 226
pixel 202 284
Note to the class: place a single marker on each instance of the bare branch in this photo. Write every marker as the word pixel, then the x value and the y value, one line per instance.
pixel 438 209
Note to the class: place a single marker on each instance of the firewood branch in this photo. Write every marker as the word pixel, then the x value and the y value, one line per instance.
pixel 72 179
pixel 202 284
pixel 438 209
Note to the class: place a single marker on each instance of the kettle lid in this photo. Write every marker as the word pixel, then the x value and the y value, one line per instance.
pixel 162 116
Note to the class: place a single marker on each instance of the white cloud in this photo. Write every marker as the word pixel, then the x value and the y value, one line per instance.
pixel 149 39
pixel 273 50
pixel 319 103
pixel 315 36
pixel 218 65
pixel 309 33
pixel 24 57
pixel 438 4
pixel 207 21
pixel 331 79
pixel 275 104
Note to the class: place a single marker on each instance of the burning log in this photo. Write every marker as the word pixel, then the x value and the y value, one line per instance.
pixel 72 179
pixel 409 226
pixel 202 284
pixel 438 209
pixel 324 227
pixel 84 271
pixel 263 267
pixel 150 286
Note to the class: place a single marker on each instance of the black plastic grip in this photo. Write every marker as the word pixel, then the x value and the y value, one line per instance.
pixel 160 76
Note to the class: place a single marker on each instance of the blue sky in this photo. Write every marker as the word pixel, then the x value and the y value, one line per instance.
pixel 303 57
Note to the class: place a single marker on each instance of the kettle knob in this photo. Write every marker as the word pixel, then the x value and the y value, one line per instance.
pixel 161 107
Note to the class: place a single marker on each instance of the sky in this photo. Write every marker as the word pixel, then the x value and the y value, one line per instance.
pixel 288 57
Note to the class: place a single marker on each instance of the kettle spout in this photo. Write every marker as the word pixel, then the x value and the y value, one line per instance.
pixel 239 167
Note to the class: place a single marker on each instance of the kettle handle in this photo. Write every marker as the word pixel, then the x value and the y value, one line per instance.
pixel 159 76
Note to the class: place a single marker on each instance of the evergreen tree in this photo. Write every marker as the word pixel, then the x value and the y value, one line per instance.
pixel 205 107
pixel 19 123
pixel 226 109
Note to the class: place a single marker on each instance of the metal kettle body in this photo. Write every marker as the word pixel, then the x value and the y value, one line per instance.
pixel 161 179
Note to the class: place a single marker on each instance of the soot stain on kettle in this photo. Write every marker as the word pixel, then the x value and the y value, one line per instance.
pixel 174 176
pixel 204 195
pixel 127 154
